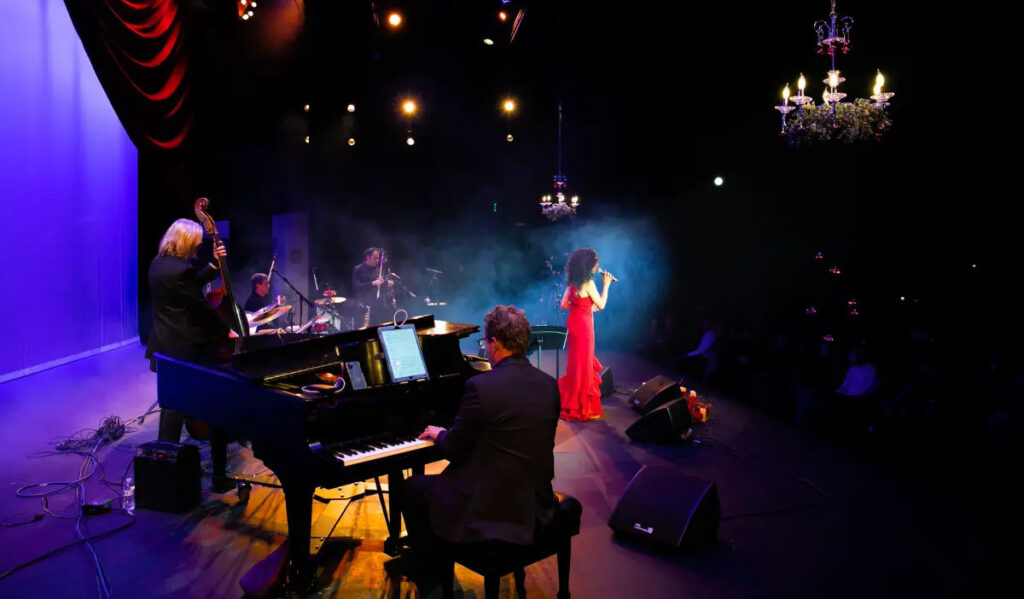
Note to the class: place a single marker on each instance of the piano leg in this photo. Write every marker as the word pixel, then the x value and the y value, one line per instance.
pixel 298 499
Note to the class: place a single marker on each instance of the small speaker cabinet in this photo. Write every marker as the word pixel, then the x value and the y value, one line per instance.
pixel 167 477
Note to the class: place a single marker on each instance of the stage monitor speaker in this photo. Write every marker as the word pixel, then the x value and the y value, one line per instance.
pixel 167 477
pixel 607 382
pixel 664 424
pixel 668 508
pixel 656 392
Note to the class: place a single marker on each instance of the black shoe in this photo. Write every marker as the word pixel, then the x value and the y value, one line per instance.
pixel 396 567
pixel 419 571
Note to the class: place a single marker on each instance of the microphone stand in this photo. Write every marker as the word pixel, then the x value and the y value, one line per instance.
pixel 401 286
pixel 302 298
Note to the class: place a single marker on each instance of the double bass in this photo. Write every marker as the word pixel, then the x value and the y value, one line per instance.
pixel 235 316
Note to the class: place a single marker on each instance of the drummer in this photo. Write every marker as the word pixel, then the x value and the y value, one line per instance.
pixel 260 296
pixel 260 299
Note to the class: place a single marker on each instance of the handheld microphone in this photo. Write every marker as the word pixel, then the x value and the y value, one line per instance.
pixel 435 271
pixel 605 272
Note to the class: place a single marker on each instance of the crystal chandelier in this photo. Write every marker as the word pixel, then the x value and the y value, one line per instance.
pixel 558 206
pixel 833 119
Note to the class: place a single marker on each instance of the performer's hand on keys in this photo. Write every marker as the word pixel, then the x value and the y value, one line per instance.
pixel 431 433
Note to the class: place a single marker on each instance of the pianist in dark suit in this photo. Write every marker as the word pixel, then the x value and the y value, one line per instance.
pixel 184 325
pixel 500 449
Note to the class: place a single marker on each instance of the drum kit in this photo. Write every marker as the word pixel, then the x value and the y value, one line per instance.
pixel 319 324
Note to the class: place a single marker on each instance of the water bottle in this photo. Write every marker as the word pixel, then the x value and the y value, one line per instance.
pixel 128 495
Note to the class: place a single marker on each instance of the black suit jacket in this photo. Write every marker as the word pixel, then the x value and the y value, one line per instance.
pixel 501 449
pixel 363 288
pixel 184 326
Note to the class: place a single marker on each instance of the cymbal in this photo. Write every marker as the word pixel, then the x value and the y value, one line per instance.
pixel 337 299
pixel 269 315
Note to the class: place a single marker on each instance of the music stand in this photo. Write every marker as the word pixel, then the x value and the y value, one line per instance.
pixel 547 337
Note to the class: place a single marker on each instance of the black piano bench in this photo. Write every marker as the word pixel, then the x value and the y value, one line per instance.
pixel 494 559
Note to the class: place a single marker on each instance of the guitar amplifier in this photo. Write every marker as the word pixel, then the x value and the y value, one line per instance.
pixel 167 477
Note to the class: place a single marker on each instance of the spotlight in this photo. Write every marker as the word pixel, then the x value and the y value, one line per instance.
pixel 502 16
pixel 305 108
pixel 394 19
pixel 410 141
pixel 508 138
pixel 307 139
pixel 509 105
pixel 409 107
pixel 719 181
pixel 351 107
pixel 351 141
pixel 488 41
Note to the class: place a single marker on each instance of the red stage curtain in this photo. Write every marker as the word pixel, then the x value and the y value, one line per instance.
pixel 139 50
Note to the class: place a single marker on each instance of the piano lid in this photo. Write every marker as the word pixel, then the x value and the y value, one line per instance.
pixel 270 357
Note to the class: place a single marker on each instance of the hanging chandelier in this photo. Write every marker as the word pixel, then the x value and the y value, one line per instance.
pixel 557 205
pixel 833 119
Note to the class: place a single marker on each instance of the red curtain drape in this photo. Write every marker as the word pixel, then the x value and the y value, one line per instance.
pixel 139 50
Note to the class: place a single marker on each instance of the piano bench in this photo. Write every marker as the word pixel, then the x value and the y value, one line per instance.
pixel 494 559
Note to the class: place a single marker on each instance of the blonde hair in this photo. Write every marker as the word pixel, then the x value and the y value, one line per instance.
pixel 181 239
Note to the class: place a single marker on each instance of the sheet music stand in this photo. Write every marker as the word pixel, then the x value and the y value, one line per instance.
pixel 547 337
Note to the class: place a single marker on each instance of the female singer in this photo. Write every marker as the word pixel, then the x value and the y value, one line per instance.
pixel 580 387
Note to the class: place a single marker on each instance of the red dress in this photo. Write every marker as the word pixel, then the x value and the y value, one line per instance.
pixel 580 388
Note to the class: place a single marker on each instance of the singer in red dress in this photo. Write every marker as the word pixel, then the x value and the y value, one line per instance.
pixel 580 387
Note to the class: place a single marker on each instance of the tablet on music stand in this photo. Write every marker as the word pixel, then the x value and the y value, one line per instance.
pixel 402 353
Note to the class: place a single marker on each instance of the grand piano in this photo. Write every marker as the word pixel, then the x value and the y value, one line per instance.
pixel 331 439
